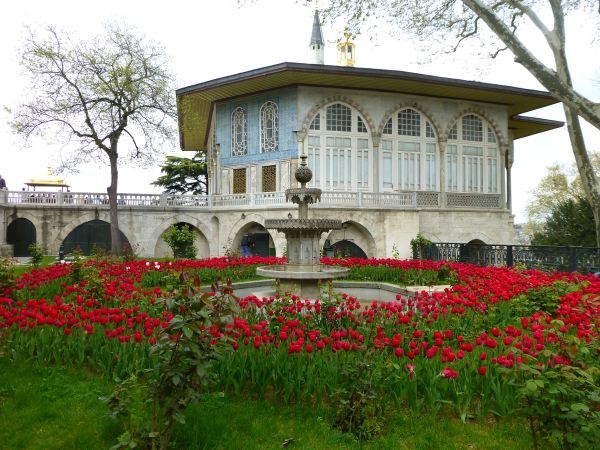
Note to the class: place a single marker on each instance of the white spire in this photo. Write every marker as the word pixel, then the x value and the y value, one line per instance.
pixel 317 44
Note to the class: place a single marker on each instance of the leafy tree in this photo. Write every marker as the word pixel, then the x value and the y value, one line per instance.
pixel 556 187
pixel 571 222
pixel 457 20
pixel 183 175
pixel 90 94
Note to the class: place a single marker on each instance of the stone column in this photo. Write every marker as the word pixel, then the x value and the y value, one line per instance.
pixel 216 169
pixel 443 142
pixel 3 224
pixel 507 184
pixel 376 139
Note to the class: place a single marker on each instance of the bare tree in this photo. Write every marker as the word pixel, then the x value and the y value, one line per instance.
pixel 466 19
pixel 91 94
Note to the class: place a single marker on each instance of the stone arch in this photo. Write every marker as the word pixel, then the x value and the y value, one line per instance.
pixel 84 217
pixel 254 226
pixel 412 105
pixel 476 242
pixel 89 235
pixel 476 237
pixel 502 140
pixel 347 249
pixel 21 233
pixel 356 234
pixel 304 128
pixel 162 250
pixel 204 237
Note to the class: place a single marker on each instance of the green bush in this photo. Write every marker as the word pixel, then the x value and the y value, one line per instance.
pixel 181 240
pixel 561 404
pixel 359 406
pixel 7 273
pixel 37 254
pixel 149 405
pixel 418 245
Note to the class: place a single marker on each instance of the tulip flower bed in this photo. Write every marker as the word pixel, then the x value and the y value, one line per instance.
pixel 474 348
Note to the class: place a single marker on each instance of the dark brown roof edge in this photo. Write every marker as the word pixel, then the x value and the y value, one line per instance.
pixel 359 71
pixel 552 123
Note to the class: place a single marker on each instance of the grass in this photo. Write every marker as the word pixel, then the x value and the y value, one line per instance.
pixel 57 408
pixel 53 408
pixel 47 260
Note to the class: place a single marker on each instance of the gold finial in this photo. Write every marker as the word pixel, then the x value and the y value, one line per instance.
pixel 346 50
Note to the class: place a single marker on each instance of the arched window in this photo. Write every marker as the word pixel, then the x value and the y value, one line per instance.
pixel 338 149
pixel 472 163
pixel 269 127
pixel 408 152
pixel 239 132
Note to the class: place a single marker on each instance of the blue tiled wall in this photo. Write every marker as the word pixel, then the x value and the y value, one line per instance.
pixel 288 147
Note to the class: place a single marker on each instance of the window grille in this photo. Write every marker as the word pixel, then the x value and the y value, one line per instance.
pixel 269 127
pixel 239 181
pixel 314 159
pixel 472 128
pixel 316 123
pixel 453 133
pixel 339 118
pixel 362 128
pixel 388 127
pixel 409 123
pixel 429 130
pixel 239 132
pixel 269 178
pixel 491 137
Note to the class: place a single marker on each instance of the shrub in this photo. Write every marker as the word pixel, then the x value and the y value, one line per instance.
pixel 418 245
pixel 562 406
pixel 150 404
pixel 7 273
pixel 358 401
pixel 37 254
pixel 181 240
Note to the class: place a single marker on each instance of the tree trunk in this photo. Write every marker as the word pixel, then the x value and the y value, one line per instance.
pixel 559 83
pixel 584 166
pixel 589 181
pixel 115 236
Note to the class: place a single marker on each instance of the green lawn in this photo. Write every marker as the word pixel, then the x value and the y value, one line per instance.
pixel 58 408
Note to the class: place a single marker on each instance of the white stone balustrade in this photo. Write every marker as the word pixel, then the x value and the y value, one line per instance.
pixel 329 199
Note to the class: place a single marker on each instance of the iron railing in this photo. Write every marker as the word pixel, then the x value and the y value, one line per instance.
pixel 544 257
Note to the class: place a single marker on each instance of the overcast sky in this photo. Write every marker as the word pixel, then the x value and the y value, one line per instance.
pixel 206 39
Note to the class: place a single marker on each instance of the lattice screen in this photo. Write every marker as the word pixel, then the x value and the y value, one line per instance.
pixel 269 178
pixel 239 181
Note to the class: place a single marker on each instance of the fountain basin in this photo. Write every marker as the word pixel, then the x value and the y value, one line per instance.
pixel 302 279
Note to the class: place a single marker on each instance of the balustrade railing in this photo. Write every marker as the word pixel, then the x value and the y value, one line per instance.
pixel 342 199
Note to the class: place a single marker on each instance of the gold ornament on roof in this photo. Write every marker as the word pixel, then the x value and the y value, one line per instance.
pixel 346 50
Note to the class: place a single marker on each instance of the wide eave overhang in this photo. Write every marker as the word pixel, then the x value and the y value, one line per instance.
pixel 195 103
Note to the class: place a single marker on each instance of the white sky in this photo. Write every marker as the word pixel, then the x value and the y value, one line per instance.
pixel 206 39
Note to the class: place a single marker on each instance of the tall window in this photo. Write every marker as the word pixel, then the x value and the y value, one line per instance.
pixel 409 158
pixel 239 181
pixel 239 132
pixel 339 149
pixel 269 178
pixel 269 127
pixel 472 157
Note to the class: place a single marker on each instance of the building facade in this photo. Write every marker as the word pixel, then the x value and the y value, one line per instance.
pixel 395 153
